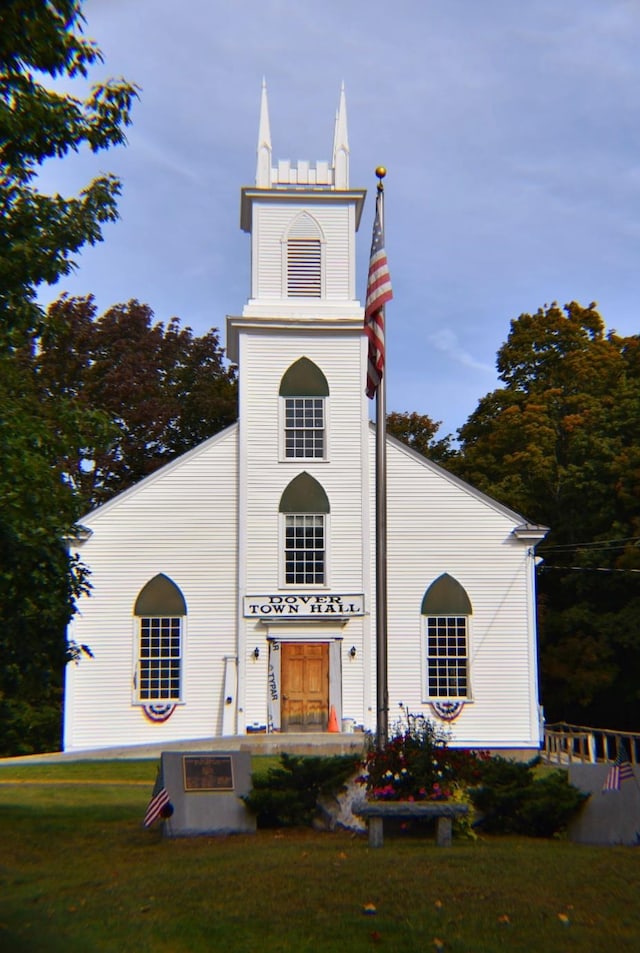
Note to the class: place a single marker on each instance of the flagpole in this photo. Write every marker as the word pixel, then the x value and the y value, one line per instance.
pixel 378 293
pixel 382 688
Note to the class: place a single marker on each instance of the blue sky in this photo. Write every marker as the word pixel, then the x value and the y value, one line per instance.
pixel 510 130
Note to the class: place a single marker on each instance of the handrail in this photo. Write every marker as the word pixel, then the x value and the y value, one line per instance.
pixel 565 743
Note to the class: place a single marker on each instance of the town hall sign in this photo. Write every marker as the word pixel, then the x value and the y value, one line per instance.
pixel 304 606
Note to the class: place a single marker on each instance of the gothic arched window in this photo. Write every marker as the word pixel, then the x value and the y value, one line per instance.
pixel 304 391
pixel 304 509
pixel 446 610
pixel 160 612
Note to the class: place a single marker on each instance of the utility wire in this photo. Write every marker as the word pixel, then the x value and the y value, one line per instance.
pixel 595 544
pixel 544 566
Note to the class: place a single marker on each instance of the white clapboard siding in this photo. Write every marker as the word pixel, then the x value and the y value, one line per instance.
pixel 271 229
pixel 447 526
pixel 267 476
pixel 181 521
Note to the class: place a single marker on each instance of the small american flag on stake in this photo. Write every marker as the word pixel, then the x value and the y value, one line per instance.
pixel 157 805
pixel 378 293
pixel 619 771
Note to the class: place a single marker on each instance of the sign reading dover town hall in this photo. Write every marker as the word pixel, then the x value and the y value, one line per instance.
pixel 304 606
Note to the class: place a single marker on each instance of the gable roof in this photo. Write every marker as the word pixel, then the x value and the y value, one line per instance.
pixel 523 528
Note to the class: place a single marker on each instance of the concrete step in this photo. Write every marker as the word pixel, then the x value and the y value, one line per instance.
pixel 323 743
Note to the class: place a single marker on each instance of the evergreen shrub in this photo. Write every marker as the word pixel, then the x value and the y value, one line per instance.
pixel 511 799
pixel 287 796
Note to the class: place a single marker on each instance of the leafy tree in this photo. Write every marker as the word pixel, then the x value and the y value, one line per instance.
pixel 559 443
pixel 41 233
pixel 39 579
pixel 163 389
pixel 418 431
pixel 41 42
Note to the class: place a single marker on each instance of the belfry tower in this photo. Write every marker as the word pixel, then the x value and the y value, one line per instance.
pixel 304 510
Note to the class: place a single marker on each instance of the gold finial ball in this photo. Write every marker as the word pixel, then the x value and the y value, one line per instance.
pixel 381 172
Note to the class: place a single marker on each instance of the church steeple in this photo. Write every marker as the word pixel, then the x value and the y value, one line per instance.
pixel 331 175
pixel 302 218
pixel 341 145
pixel 263 170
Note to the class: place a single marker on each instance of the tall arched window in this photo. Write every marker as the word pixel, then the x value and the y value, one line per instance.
pixel 303 250
pixel 304 509
pixel 446 610
pixel 160 611
pixel 303 392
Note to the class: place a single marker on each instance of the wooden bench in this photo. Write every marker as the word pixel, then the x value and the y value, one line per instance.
pixel 442 811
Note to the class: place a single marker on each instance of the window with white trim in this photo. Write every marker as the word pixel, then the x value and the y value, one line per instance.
pixel 160 659
pixel 304 392
pixel 305 549
pixel 304 427
pixel 446 610
pixel 160 612
pixel 447 657
pixel 304 509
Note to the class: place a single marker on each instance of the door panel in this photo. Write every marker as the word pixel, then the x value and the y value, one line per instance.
pixel 305 686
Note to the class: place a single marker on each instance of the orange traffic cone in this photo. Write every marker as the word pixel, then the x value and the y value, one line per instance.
pixel 333 720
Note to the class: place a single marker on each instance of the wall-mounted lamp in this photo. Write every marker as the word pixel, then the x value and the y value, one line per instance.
pixel 256 652
pixel 352 651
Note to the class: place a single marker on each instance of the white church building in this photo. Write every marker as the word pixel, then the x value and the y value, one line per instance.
pixel 234 588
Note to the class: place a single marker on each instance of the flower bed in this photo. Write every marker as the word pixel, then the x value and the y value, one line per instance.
pixel 417 764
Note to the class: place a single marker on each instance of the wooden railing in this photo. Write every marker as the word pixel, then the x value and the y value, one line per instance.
pixel 566 743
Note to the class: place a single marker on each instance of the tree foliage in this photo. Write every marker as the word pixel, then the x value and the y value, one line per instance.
pixel 41 43
pixel 418 432
pixel 163 389
pixel 40 232
pixel 559 443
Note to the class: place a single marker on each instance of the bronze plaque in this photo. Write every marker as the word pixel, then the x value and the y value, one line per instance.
pixel 208 772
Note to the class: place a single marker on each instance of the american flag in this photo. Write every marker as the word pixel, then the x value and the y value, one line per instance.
pixel 619 771
pixel 158 802
pixel 378 293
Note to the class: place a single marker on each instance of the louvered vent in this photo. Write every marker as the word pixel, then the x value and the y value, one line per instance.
pixel 304 268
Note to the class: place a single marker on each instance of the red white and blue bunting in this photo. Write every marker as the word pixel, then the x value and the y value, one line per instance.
pixel 447 711
pixel 159 713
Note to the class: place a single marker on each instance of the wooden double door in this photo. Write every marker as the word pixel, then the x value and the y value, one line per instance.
pixel 304 686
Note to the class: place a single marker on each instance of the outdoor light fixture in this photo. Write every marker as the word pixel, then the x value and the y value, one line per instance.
pixel 256 652
pixel 352 651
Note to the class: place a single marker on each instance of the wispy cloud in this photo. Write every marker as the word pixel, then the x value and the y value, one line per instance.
pixel 446 341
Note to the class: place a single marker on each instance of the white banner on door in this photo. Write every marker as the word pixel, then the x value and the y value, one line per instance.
pixel 273 706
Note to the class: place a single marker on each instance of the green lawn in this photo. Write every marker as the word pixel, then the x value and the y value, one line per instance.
pixel 79 873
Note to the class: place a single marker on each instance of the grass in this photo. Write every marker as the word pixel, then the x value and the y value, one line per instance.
pixel 78 873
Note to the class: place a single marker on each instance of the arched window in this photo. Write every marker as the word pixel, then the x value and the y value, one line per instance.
pixel 160 611
pixel 446 609
pixel 304 391
pixel 303 247
pixel 305 508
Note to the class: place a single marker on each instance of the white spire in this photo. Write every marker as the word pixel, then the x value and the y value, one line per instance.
pixel 341 145
pixel 320 174
pixel 263 169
